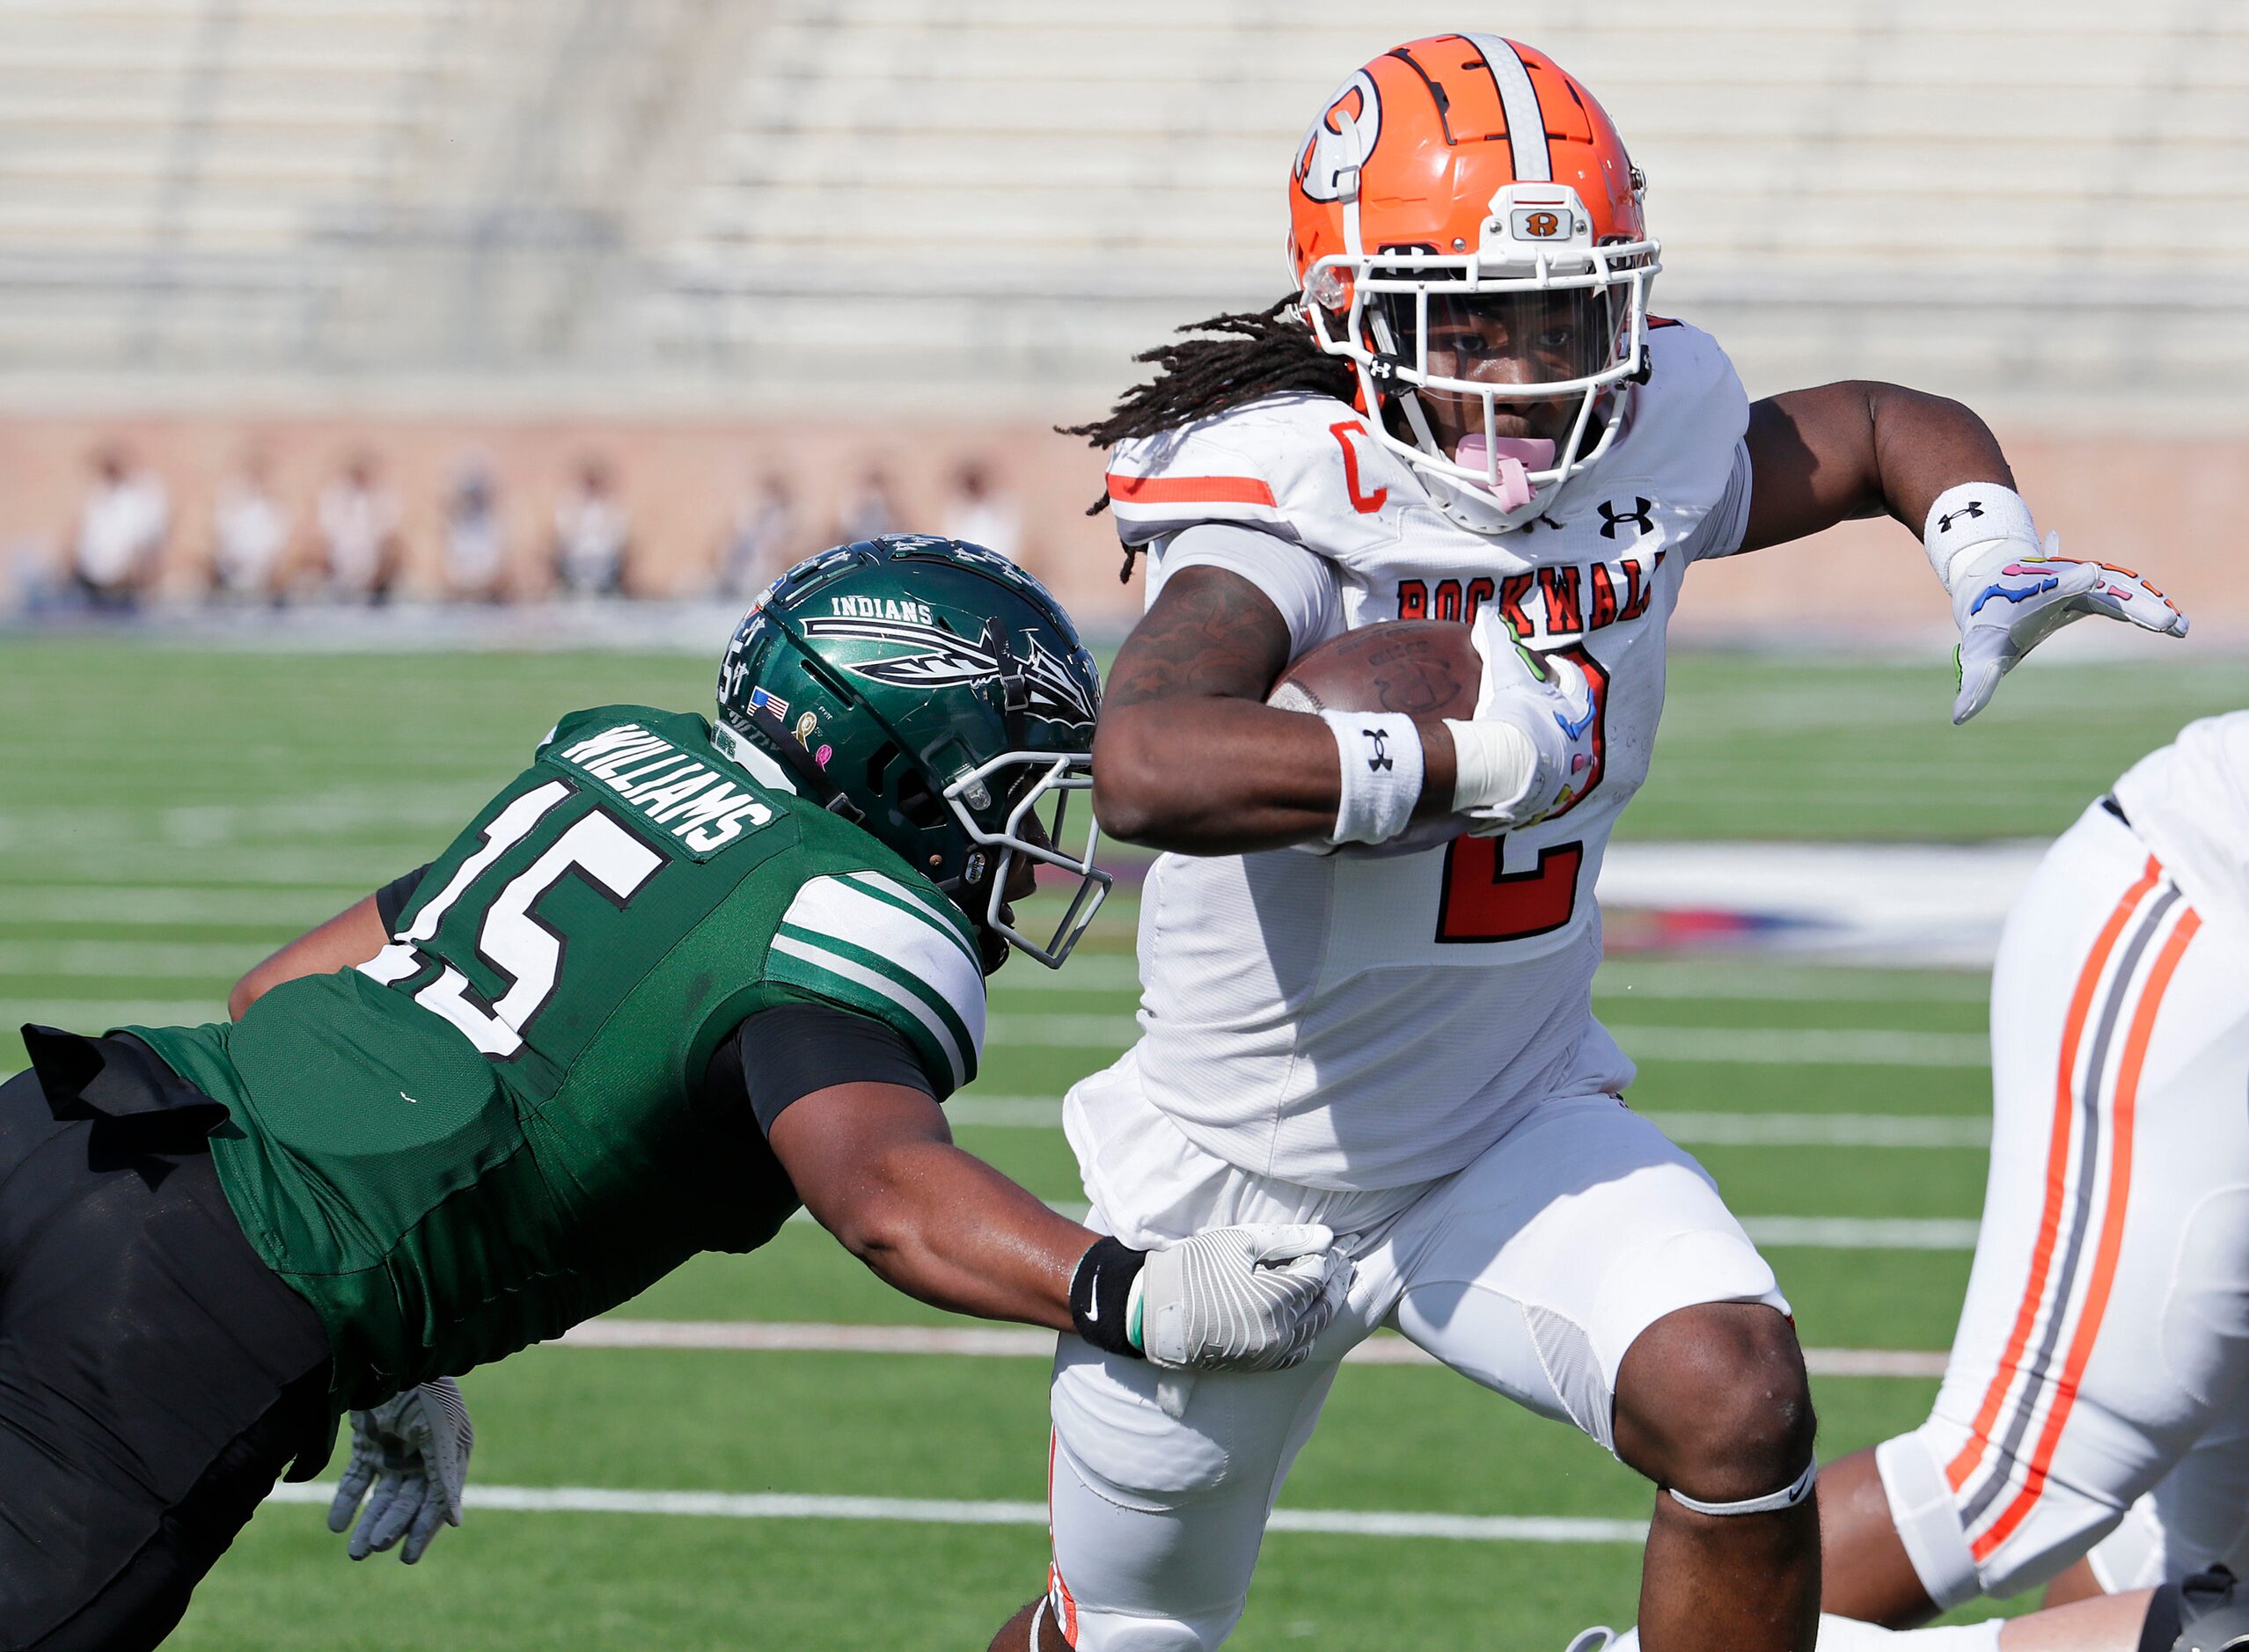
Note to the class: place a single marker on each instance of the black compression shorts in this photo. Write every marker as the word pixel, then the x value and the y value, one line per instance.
pixel 156 1376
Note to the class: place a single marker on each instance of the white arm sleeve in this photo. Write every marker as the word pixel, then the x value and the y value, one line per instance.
pixel 1721 532
pixel 1299 583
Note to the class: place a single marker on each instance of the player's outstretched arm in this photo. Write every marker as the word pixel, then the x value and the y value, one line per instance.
pixel 351 937
pixel 1188 756
pixel 1821 457
pixel 876 1165
pixel 1841 451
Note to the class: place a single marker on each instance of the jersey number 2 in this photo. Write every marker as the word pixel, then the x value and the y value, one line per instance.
pixel 511 938
pixel 1480 902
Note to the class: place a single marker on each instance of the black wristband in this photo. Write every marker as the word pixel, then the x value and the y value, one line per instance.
pixel 1099 1292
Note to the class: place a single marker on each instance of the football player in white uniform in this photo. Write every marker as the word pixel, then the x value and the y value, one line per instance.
pixel 2096 1408
pixel 1466 412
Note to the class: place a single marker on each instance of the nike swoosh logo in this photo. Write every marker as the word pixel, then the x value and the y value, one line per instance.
pixel 416 1099
pixel 1092 1308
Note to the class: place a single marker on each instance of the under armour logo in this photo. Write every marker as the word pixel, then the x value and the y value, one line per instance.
pixel 1381 757
pixel 1639 517
pixel 1975 507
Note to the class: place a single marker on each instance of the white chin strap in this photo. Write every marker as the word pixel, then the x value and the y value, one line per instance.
pixel 1772 1502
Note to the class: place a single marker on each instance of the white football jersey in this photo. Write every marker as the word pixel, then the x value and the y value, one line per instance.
pixel 2189 802
pixel 1356 1021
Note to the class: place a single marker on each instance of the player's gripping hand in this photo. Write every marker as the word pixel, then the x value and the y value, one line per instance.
pixel 413 1449
pixel 1252 1298
pixel 2008 599
pixel 2010 590
pixel 1528 749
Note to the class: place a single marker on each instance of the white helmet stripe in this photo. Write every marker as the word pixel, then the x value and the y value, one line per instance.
pixel 1519 99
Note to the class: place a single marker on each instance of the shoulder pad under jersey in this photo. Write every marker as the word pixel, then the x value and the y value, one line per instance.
pixel 1286 465
pixel 871 943
pixel 1685 423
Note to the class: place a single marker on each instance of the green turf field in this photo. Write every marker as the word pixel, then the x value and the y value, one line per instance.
pixel 167 816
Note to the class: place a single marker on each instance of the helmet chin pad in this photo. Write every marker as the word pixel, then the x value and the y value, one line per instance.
pixel 1512 458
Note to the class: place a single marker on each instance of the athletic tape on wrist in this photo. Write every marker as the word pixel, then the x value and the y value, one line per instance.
pixel 1787 1497
pixel 1975 513
pixel 1493 765
pixel 1382 764
pixel 1101 1296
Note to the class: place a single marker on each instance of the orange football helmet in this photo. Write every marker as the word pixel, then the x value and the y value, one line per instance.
pixel 1465 226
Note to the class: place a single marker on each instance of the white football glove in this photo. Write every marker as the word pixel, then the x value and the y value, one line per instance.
pixel 2009 595
pixel 1529 747
pixel 1252 1298
pixel 414 1448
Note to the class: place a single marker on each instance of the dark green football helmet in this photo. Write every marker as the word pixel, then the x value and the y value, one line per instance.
pixel 937 695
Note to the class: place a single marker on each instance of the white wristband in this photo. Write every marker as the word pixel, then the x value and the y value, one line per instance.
pixel 1381 758
pixel 1493 765
pixel 1972 515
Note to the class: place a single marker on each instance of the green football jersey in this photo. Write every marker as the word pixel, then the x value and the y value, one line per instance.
pixel 495 1128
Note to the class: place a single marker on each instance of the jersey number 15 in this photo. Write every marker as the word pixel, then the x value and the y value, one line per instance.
pixel 511 938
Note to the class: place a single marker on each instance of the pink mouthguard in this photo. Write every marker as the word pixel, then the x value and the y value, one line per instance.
pixel 1517 457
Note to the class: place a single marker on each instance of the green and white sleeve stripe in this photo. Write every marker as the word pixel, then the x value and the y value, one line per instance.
pixel 869 943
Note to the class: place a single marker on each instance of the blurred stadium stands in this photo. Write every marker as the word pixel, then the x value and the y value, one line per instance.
pixel 776 223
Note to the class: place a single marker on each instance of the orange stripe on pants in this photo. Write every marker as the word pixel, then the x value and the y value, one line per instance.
pixel 2112 1238
pixel 2057 1167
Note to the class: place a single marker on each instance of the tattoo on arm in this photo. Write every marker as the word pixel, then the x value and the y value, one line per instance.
pixel 1210 633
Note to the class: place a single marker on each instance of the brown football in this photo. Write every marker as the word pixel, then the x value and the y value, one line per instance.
pixel 1425 668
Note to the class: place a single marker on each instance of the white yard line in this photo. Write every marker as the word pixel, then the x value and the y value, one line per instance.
pixel 137 959
pixel 1017 1342
pixel 171 903
pixel 1759 1046
pixel 1823 1129
pixel 1752 979
pixel 1758 980
pixel 1693 1130
pixel 81 1015
pixel 1863 1232
pixel 945 1511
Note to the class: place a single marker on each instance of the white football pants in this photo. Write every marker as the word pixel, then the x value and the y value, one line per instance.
pixel 2103 1345
pixel 1531 1270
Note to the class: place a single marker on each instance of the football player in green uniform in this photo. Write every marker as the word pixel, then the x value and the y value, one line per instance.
pixel 674 979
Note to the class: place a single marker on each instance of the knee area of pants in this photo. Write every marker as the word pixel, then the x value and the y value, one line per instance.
pixel 1115 1634
pixel 1731 1414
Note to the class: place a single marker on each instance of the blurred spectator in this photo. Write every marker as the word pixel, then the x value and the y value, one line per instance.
pixel 476 545
pixel 249 533
pixel 121 531
pixel 982 515
pixel 760 540
pixel 869 509
pixel 359 533
pixel 593 537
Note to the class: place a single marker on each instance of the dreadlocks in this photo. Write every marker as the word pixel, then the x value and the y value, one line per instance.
pixel 1259 353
